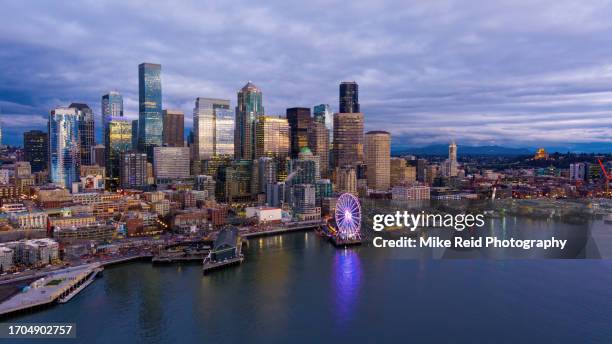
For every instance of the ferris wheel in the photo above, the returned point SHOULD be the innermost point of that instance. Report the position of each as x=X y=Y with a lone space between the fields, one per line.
x=348 y=216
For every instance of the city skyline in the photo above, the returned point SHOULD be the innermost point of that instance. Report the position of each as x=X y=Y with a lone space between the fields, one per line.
x=483 y=83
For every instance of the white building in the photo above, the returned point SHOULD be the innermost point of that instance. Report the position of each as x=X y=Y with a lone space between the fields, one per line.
x=264 y=214
x=577 y=171
x=411 y=192
x=27 y=220
x=33 y=252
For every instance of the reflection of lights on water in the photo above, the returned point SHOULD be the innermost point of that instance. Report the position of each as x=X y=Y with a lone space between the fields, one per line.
x=347 y=276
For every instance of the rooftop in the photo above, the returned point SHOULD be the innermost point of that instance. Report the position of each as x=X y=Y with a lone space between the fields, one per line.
x=377 y=132
x=250 y=87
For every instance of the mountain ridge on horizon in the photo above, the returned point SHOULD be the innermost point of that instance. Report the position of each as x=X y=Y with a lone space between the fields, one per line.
x=442 y=149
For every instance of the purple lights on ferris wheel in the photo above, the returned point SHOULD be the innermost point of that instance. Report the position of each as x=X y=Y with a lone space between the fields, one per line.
x=348 y=216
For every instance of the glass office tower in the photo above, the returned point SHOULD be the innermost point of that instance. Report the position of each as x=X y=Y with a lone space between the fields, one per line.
x=150 y=121
x=349 y=97
x=250 y=106
x=273 y=137
x=174 y=128
x=134 y=134
x=323 y=114
x=112 y=106
x=64 y=146
x=118 y=139
x=36 y=149
x=224 y=132
x=299 y=120
x=86 y=131
x=204 y=126
x=348 y=139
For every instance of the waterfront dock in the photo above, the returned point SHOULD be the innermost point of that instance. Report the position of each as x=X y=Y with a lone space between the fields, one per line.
x=126 y=259
x=55 y=287
x=210 y=266
x=227 y=251
x=339 y=242
x=294 y=227
x=177 y=258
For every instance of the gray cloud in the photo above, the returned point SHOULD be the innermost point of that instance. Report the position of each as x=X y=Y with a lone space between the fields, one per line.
x=504 y=72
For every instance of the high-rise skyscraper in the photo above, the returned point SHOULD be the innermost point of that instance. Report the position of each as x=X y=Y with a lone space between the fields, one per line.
x=378 y=159
x=299 y=120
x=349 y=97
x=273 y=137
x=267 y=174
x=134 y=134
x=133 y=170
x=64 y=146
x=249 y=107
x=87 y=132
x=118 y=138
x=348 y=139
x=36 y=149
x=174 y=128
x=98 y=155
x=318 y=141
x=224 y=132
x=112 y=106
x=204 y=126
x=452 y=159
x=150 y=121
x=323 y=114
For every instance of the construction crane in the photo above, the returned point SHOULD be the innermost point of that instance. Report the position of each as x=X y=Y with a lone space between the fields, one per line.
x=607 y=178
x=293 y=174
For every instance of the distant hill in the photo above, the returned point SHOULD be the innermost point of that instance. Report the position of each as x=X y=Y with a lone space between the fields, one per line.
x=461 y=150
x=589 y=147
x=442 y=149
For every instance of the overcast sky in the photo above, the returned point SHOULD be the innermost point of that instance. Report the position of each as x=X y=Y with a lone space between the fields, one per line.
x=481 y=72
